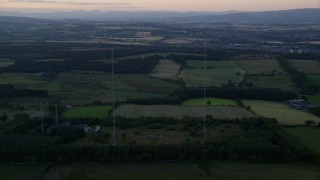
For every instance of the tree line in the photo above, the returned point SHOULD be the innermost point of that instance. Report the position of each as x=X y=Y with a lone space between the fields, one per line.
x=262 y=141
x=9 y=91
x=299 y=78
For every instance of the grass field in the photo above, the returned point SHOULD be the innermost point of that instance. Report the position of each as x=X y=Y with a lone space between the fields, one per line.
x=168 y=171
x=308 y=136
x=166 y=69
x=259 y=67
x=313 y=99
x=5 y=62
x=214 y=102
x=89 y=111
x=177 y=41
x=22 y=80
x=281 y=111
x=214 y=77
x=315 y=79
x=21 y=172
x=282 y=82
x=223 y=112
x=218 y=73
x=92 y=86
x=306 y=66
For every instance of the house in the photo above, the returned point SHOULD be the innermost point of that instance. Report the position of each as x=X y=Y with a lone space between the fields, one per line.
x=85 y=127
x=94 y=130
x=300 y=104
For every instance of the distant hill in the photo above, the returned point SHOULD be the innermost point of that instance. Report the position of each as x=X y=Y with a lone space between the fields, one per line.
x=271 y=17
x=274 y=17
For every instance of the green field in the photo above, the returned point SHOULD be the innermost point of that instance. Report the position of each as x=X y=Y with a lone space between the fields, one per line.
x=166 y=69
x=259 y=67
x=22 y=80
x=214 y=102
x=315 y=79
x=5 y=62
x=306 y=66
x=88 y=111
x=218 y=73
x=280 y=81
x=92 y=86
x=168 y=171
x=313 y=99
x=222 y=112
x=213 y=77
x=308 y=136
x=281 y=111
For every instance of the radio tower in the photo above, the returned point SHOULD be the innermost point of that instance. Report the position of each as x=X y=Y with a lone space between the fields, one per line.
x=205 y=88
x=57 y=118
x=113 y=102
x=41 y=118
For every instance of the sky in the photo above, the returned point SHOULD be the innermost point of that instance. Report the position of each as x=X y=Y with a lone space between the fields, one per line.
x=158 y=5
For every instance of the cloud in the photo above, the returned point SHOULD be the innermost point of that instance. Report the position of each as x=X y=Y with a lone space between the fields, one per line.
x=69 y=3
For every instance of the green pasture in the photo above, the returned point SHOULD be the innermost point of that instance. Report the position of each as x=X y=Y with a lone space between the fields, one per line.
x=259 y=67
x=159 y=171
x=92 y=86
x=212 y=77
x=306 y=66
x=5 y=62
x=313 y=99
x=281 y=111
x=308 y=136
x=166 y=69
x=315 y=79
x=281 y=81
x=88 y=112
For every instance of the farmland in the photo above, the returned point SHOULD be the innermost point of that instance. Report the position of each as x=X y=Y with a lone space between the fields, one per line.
x=281 y=81
x=88 y=87
x=5 y=62
x=180 y=171
x=217 y=73
x=213 y=101
x=65 y=67
x=314 y=99
x=306 y=66
x=315 y=79
x=166 y=69
x=222 y=112
x=88 y=112
x=259 y=67
x=308 y=136
x=281 y=111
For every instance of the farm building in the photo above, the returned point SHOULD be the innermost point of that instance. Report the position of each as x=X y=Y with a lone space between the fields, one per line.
x=300 y=104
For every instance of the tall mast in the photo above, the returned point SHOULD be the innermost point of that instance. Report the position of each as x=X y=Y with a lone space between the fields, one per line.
x=205 y=87
x=57 y=118
x=41 y=118
x=113 y=102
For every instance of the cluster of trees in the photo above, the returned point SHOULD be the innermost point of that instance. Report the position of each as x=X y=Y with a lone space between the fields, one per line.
x=299 y=78
x=271 y=94
x=127 y=66
x=8 y=91
x=262 y=140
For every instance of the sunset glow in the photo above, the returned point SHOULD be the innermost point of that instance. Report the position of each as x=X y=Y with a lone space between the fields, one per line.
x=170 y=5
